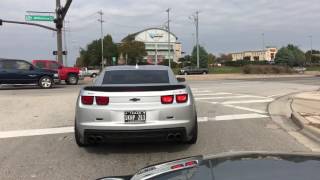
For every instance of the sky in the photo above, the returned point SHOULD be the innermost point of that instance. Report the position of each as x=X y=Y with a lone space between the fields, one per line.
x=224 y=26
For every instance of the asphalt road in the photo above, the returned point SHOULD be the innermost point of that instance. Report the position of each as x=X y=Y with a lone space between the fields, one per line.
x=232 y=113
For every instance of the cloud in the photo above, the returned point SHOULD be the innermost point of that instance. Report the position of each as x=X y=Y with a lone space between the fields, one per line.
x=225 y=26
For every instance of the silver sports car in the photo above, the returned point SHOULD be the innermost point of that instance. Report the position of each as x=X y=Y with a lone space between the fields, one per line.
x=136 y=103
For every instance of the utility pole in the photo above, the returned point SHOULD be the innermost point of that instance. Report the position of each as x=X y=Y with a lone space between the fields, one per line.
x=169 y=46
x=101 y=29
x=60 y=13
x=311 y=48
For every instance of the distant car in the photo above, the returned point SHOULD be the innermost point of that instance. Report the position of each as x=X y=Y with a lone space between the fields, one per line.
x=68 y=74
x=133 y=103
x=193 y=70
x=14 y=71
x=88 y=72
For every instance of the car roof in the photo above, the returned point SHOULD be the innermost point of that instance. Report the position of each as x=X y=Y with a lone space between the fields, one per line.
x=6 y=59
x=137 y=67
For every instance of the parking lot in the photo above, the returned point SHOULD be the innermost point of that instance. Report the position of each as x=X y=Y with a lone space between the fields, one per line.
x=36 y=132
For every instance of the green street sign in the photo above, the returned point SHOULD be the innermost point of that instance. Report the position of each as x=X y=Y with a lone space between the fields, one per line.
x=38 y=18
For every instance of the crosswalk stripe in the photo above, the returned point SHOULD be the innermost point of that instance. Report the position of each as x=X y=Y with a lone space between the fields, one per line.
x=232 y=117
x=224 y=97
x=247 y=101
x=246 y=109
x=211 y=94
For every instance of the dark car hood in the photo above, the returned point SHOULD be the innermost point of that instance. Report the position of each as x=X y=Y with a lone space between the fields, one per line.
x=237 y=166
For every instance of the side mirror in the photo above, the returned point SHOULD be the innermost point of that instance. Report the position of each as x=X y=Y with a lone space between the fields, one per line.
x=60 y=67
x=180 y=79
x=31 y=68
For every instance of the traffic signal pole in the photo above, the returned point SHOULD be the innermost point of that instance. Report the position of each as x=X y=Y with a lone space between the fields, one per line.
x=60 y=13
x=59 y=25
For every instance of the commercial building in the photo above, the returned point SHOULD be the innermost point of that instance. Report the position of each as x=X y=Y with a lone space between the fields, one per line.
x=156 y=43
x=268 y=55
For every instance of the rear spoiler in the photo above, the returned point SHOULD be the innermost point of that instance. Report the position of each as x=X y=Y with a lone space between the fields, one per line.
x=133 y=88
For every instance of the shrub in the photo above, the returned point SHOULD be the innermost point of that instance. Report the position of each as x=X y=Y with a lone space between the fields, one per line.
x=266 y=69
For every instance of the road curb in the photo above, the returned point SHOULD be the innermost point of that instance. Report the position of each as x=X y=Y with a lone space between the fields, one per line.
x=307 y=130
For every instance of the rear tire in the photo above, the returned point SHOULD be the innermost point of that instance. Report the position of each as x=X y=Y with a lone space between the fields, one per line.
x=72 y=79
x=79 y=140
x=194 y=138
x=45 y=82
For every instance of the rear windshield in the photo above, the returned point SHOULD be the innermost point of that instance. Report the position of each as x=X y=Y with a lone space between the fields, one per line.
x=136 y=77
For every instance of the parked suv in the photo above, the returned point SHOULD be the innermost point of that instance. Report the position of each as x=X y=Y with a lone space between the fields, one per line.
x=193 y=70
x=14 y=71
x=68 y=74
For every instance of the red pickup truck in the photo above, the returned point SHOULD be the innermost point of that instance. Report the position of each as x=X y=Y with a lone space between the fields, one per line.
x=68 y=74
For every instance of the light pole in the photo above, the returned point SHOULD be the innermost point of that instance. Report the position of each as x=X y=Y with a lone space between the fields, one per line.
x=263 y=47
x=169 y=46
x=195 y=18
x=101 y=29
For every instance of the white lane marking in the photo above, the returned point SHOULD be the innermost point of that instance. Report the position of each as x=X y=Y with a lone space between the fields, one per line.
x=35 y=132
x=239 y=116
x=211 y=94
x=200 y=91
x=276 y=95
x=248 y=101
x=232 y=117
x=246 y=109
x=225 y=97
x=203 y=119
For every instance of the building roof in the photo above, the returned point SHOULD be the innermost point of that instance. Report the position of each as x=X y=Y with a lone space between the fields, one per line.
x=132 y=36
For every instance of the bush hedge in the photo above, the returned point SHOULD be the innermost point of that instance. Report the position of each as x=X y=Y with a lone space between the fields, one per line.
x=266 y=69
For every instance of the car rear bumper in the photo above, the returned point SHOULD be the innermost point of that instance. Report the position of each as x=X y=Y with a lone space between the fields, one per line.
x=147 y=135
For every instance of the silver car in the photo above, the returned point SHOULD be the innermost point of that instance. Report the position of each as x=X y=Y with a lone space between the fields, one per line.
x=136 y=103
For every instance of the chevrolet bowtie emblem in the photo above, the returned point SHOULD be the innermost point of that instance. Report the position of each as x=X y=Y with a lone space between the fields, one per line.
x=135 y=99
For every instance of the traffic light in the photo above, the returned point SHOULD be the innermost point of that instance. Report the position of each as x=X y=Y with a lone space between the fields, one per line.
x=61 y=13
x=0 y=22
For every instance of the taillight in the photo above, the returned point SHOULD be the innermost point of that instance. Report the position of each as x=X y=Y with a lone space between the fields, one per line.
x=182 y=98
x=87 y=100
x=178 y=166
x=102 y=100
x=167 y=99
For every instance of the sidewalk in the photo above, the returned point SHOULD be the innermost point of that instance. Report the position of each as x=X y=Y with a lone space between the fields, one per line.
x=306 y=112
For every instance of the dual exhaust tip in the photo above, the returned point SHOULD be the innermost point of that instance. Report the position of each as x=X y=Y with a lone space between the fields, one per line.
x=174 y=137
x=95 y=139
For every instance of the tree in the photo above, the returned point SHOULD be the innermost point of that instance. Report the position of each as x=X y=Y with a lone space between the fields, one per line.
x=211 y=59
x=91 y=56
x=224 y=58
x=315 y=57
x=203 y=57
x=135 y=50
x=185 y=61
x=291 y=56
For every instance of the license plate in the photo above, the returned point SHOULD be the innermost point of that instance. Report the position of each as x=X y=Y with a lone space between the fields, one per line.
x=135 y=116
